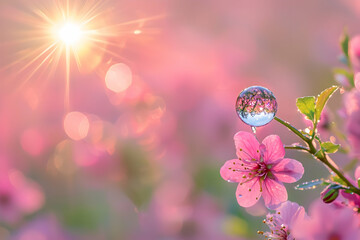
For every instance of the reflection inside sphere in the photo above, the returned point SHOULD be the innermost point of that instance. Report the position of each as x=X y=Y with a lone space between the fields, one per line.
x=256 y=106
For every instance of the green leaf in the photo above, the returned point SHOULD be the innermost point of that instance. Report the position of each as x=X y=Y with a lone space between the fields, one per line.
x=81 y=216
x=359 y=182
x=309 y=185
x=140 y=173
x=344 y=44
x=329 y=147
x=306 y=106
x=321 y=101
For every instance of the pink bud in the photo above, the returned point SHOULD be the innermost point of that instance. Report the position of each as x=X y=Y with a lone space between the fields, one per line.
x=330 y=193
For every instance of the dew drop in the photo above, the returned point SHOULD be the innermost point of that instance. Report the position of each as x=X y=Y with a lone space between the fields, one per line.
x=240 y=195
x=256 y=106
x=309 y=185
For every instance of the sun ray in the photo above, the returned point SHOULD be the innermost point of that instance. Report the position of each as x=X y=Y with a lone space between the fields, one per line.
x=33 y=71
x=77 y=59
x=61 y=32
x=67 y=80
x=141 y=20
x=37 y=57
x=112 y=53
x=91 y=14
x=42 y=15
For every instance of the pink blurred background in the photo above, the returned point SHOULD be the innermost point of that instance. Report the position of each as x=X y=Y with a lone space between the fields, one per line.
x=151 y=116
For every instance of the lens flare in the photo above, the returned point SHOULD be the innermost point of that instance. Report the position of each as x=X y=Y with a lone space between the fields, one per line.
x=58 y=33
x=70 y=33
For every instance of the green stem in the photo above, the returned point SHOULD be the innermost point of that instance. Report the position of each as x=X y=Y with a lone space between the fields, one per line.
x=341 y=175
x=321 y=157
x=313 y=132
x=330 y=164
x=291 y=128
x=297 y=148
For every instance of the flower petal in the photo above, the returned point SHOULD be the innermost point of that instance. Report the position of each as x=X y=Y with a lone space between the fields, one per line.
x=231 y=171
x=290 y=213
x=288 y=170
x=248 y=193
x=274 y=193
x=247 y=147
x=274 y=149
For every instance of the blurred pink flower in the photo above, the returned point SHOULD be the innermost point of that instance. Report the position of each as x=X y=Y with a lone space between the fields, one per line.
x=18 y=196
x=354 y=51
x=352 y=116
x=353 y=199
x=357 y=81
x=42 y=228
x=328 y=222
x=281 y=222
x=260 y=170
x=324 y=125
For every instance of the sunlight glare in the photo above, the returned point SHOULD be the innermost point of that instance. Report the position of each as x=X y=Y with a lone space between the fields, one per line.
x=70 y=33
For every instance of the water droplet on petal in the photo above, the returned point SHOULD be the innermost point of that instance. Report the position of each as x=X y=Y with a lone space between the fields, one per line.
x=240 y=195
x=256 y=106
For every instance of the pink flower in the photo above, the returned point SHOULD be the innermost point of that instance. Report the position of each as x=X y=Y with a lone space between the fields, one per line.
x=281 y=222
x=18 y=196
x=353 y=199
x=328 y=222
x=260 y=170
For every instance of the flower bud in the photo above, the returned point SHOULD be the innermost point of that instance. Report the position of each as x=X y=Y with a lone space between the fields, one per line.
x=330 y=193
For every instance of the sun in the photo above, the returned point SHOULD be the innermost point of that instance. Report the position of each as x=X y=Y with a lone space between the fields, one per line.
x=62 y=35
x=70 y=33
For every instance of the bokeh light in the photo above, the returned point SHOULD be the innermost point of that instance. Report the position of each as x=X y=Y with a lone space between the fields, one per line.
x=33 y=142
x=76 y=125
x=118 y=78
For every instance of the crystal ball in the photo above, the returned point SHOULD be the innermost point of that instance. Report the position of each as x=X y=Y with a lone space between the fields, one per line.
x=256 y=106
